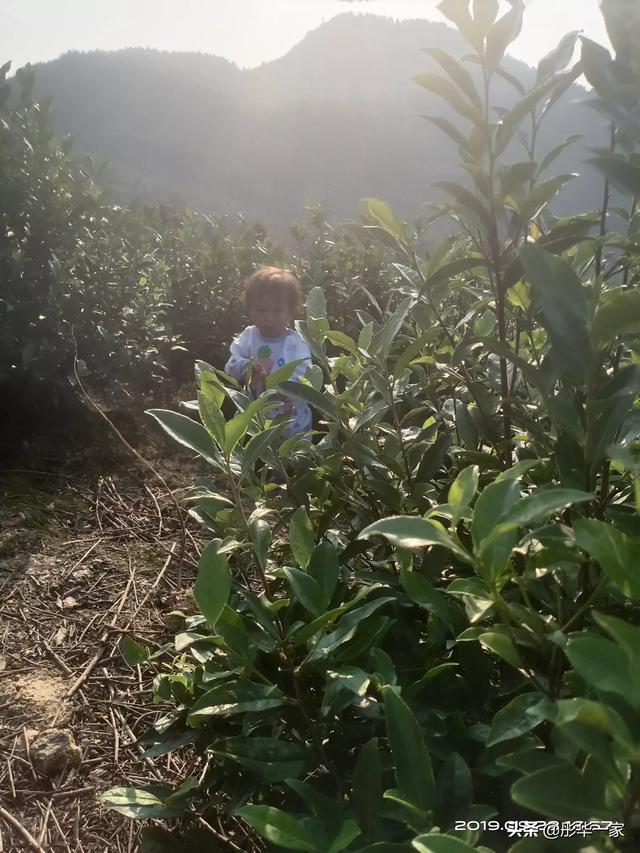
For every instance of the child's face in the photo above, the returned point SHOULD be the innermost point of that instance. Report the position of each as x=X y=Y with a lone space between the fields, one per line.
x=271 y=314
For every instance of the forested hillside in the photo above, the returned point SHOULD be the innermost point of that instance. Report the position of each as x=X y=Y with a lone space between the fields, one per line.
x=338 y=118
x=414 y=627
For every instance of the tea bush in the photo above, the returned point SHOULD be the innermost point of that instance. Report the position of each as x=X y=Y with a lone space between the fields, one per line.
x=136 y=291
x=428 y=638
x=126 y=287
x=432 y=629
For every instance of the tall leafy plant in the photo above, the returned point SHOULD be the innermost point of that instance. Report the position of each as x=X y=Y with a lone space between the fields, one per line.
x=432 y=628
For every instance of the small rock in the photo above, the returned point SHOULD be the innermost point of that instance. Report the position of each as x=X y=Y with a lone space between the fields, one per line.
x=61 y=635
x=54 y=750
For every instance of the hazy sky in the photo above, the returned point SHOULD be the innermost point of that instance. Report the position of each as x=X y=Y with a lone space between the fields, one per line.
x=247 y=32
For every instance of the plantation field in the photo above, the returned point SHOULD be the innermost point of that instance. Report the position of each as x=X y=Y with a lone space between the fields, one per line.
x=417 y=631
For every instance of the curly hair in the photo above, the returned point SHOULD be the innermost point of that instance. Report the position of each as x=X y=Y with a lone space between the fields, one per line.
x=275 y=282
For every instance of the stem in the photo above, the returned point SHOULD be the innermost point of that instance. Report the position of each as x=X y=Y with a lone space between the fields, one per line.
x=452 y=342
x=605 y=209
x=398 y=431
x=504 y=374
x=495 y=263
x=321 y=752
x=587 y=604
x=315 y=734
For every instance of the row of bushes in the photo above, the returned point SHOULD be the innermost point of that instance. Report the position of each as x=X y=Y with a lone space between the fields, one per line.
x=428 y=639
x=135 y=292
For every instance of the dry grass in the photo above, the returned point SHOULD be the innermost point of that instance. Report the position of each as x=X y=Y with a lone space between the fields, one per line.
x=82 y=562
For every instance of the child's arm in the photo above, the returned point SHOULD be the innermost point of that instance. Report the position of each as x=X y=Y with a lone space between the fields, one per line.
x=240 y=356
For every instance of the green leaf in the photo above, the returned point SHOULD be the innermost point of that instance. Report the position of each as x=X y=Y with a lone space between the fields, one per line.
x=466 y=426
x=206 y=374
x=236 y=429
x=279 y=828
x=133 y=652
x=433 y=458
x=348 y=832
x=502 y=646
x=555 y=152
x=383 y=339
x=605 y=667
x=625 y=635
x=187 y=790
x=623 y=174
x=599 y=69
x=562 y=301
x=373 y=412
x=316 y=306
x=484 y=14
x=562 y=793
x=317 y=400
x=462 y=491
x=420 y=590
x=137 y=803
x=324 y=568
x=458 y=74
x=436 y=843
x=618 y=314
x=213 y=585
x=189 y=433
x=340 y=339
x=383 y=216
x=343 y=687
x=534 y=202
x=449 y=270
x=559 y=57
x=210 y=412
x=597 y=716
x=446 y=90
x=414 y=775
x=273 y=760
x=454 y=788
x=301 y=540
x=512 y=120
x=326 y=809
x=519 y=717
x=235 y=697
x=467 y=201
x=451 y=131
x=505 y=30
x=413 y=532
x=306 y=590
x=457 y=11
x=156 y=745
x=260 y=534
x=617 y=553
x=345 y=630
x=282 y=374
x=494 y=501
x=542 y=503
x=366 y=790
x=305 y=633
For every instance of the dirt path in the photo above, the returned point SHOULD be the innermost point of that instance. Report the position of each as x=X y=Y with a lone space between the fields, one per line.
x=83 y=561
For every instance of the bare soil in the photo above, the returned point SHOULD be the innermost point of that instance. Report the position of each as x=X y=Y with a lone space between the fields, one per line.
x=85 y=559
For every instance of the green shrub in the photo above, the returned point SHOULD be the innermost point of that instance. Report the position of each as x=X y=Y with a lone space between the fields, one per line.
x=433 y=629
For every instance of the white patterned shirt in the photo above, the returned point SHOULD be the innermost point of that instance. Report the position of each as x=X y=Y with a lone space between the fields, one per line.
x=273 y=353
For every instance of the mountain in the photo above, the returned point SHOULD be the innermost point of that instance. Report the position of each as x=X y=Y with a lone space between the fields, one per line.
x=337 y=118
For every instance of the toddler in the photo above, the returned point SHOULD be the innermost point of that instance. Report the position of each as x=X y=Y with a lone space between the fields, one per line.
x=272 y=297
